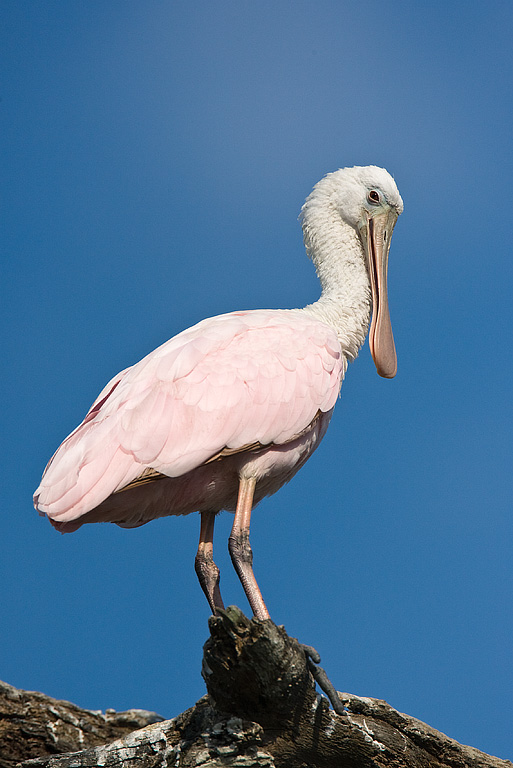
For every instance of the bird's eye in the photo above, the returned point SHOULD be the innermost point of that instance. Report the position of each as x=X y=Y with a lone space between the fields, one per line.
x=373 y=197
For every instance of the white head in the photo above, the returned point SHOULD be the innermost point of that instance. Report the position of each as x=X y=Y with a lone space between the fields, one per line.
x=367 y=199
x=360 y=189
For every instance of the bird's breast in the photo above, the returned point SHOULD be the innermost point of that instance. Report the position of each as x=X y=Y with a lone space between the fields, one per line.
x=274 y=466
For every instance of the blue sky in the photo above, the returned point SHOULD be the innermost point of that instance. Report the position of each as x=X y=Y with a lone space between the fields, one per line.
x=156 y=156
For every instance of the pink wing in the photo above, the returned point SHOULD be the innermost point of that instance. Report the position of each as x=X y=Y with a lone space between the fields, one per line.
x=228 y=381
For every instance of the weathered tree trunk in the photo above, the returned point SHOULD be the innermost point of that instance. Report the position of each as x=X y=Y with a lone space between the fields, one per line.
x=32 y=724
x=261 y=710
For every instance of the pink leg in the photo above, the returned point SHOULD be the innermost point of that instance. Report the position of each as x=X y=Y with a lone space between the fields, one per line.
x=240 y=549
x=206 y=570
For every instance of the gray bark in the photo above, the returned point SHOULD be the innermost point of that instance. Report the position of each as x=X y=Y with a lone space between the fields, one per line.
x=261 y=710
x=34 y=724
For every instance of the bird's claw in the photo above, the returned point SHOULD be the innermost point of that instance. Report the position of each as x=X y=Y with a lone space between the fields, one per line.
x=322 y=679
x=311 y=653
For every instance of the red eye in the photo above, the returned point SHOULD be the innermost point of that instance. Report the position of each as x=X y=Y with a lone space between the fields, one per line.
x=373 y=196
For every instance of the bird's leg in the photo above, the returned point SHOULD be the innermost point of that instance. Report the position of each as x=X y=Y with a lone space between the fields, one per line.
x=206 y=570
x=240 y=549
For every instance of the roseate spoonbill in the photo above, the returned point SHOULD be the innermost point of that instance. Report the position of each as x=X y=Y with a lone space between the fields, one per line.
x=229 y=410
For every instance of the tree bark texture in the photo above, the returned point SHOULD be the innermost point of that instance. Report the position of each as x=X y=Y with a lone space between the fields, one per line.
x=261 y=710
x=34 y=724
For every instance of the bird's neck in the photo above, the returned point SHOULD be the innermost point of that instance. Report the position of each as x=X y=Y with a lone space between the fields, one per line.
x=337 y=253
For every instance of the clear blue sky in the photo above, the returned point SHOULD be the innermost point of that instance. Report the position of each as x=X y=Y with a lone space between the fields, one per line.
x=156 y=156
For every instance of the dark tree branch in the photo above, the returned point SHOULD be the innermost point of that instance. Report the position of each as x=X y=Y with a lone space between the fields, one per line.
x=34 y=724
x=261 y=710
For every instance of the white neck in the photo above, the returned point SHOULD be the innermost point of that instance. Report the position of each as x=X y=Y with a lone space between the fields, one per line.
x=337 y=253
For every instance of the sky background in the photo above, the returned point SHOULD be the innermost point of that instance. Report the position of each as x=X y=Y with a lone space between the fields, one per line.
x=155 y=159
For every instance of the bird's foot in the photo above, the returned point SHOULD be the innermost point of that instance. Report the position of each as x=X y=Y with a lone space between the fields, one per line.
x=321 y=678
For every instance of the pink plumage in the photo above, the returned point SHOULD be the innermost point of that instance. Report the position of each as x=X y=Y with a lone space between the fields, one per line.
x=228 y=382
x=227 y=411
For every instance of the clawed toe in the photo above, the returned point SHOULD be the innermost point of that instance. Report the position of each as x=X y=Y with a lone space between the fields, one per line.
x=321 y=678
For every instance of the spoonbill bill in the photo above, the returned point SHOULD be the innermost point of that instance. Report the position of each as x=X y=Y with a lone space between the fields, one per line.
x=226 y=412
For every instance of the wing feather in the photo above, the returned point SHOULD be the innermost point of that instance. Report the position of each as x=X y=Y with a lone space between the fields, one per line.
x=235 y=380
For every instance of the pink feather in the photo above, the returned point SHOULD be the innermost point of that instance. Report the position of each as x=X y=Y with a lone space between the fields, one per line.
x=229 y=381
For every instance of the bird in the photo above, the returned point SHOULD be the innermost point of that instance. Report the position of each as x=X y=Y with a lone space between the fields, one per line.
x=226 y=412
